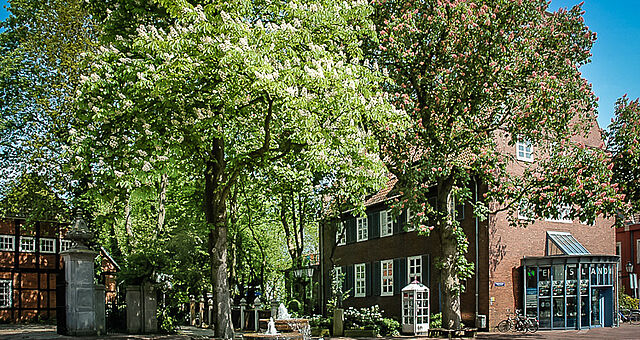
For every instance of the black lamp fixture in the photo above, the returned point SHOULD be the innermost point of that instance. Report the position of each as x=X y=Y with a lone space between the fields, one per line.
x=629 y=267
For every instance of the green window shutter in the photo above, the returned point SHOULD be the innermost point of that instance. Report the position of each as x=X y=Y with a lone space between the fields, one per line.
x=426 y=271
x=367 y=275
x=402 y=221
x=376 y=282
x=350 y=224
x=374 y=224
x=397 y=287
x=350 y=279
x=403 y=273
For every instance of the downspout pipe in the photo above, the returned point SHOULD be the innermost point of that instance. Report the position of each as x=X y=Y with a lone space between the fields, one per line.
x=475 y=194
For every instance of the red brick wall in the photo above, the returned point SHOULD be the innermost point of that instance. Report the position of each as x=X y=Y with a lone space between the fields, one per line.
x=628 y=237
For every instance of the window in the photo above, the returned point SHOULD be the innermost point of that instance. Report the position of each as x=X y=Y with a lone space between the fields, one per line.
x=363 y=228
x=386 y=276
x=6 y=243
x=361 y=284
x=410 y=226
x=341 y=235
x=5 y=293
x=524 y=151
x=414 y=264
x=386 y=223
x=47 y=245
x=564 y=212
x=66 y=245
x=638 y=251
x=27 y=244
x=619 y=253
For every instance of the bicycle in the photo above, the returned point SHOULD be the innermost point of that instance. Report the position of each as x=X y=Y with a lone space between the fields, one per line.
x=519 y=323
x=630 y=316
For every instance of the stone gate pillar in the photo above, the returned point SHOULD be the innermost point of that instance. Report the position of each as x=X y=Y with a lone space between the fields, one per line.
x=78 y=272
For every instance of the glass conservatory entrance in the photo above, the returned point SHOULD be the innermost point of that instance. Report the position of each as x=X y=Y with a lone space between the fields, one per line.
x=570 y=292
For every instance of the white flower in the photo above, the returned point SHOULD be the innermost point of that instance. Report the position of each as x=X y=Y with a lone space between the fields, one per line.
x=118 y=173
x=146 y=167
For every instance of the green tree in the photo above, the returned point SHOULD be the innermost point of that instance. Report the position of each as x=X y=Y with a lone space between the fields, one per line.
x=623 y=139
x=476 y=77
x=229 y=88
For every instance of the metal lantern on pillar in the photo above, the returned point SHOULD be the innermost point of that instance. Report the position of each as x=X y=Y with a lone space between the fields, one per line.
x=415 y=308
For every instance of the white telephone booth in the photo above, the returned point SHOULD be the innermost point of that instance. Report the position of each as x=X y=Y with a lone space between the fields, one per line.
x=415 y=308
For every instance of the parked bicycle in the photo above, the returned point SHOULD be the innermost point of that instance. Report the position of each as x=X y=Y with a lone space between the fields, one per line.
x=630 y=316
x=518 y=323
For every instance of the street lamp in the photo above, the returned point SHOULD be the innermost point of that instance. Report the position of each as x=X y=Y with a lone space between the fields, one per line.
x=629 y=267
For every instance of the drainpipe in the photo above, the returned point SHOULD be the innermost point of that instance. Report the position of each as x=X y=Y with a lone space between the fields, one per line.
x=475 y=194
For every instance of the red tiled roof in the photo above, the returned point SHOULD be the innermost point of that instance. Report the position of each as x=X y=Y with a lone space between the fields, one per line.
x=384 y=194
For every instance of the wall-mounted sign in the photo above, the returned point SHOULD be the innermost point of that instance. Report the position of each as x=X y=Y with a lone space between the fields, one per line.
x=499 y=284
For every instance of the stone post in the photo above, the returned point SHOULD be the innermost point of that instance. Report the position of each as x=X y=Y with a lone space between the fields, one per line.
x=133 y=298
x=192 y=310
x=201 y=310
x=150 y=305
x=210 y=311
x=274 y=308
x=257 y=305
x=141 y=309
x=243 y=306
x=101 y=315
x=80 y=300
x=338 y=322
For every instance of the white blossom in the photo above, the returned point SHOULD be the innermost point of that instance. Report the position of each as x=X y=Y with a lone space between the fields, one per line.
x=146 y=167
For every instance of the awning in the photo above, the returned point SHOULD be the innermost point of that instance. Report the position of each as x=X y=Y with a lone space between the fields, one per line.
x=566 y=244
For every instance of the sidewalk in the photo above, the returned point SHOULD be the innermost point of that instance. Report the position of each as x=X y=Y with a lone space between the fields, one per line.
x=43 y=332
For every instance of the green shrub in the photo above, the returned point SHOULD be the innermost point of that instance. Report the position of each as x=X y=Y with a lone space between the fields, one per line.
x=370 y=318
x=436 y=321
x=319 y=321
x=389 y=327
x=627 y=302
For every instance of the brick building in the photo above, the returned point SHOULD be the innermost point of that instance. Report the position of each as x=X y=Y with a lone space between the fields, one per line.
x=30 y=264
x=628 y=247
x=379 y=256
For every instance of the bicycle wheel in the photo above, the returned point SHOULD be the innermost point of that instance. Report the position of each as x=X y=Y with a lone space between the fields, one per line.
x=504 y=326
x=532 y=325
x=634 y=318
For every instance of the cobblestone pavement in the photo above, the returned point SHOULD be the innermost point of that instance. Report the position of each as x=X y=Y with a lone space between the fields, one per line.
x=42 y=332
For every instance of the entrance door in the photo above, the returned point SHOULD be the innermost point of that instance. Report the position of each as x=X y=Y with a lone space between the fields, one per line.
x=596 y=311
x=602 y=309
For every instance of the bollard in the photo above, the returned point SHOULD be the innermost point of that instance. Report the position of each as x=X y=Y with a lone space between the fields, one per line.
x=243 y=306
x=201 y=311
x=257 y=304
x=274 y=308
x=210 y=303
x=192 y=310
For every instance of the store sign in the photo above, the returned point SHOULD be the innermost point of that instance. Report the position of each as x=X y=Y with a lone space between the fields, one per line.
x=600 y=270
x=633 y=283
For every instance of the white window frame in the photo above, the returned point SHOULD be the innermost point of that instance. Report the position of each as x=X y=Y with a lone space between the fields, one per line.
x=522 y=207
x=360 y=275
x=341 y=235
x=524 y=154
x=563 y=210
x=619 y=253
x=337 y=272
x=31 y=242
x=43 y=247
x=6 y=293
x=386 y=223
x=7 y=243
x=65 y=244
x=414 y=269
x=410 y=226
x=362 y=229
x=638 y=251
x=386 y=281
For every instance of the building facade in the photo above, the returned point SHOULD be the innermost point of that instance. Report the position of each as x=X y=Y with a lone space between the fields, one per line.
x=378 y=256
x=628 y=247
x=31 y=268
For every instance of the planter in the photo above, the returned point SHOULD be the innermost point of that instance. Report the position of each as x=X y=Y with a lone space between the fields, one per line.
x=320 y=332
x=360 y=333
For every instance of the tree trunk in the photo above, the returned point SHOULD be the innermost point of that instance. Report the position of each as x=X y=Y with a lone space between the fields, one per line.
x=451 y=317
x=162 y=198
x=215 y=212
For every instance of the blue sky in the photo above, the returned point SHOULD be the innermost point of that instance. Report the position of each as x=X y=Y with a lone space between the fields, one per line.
x=615 y=66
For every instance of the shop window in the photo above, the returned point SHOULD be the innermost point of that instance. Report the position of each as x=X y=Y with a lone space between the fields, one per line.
x=558 y=280
x=5 y=293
